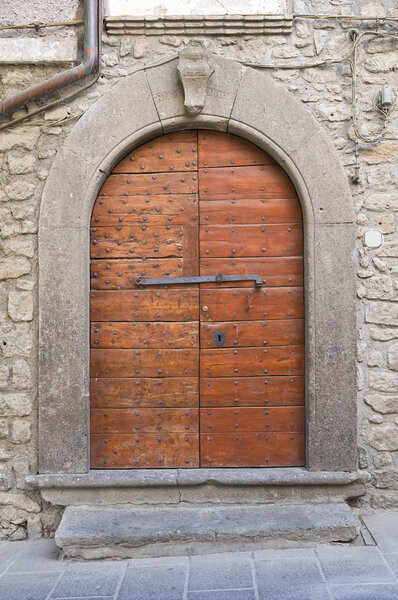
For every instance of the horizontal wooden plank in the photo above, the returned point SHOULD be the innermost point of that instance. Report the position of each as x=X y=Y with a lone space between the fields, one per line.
x=218 y=149
x=144 y=451
x=144 y=335
x=145 y=420
x=246 y=362
x=144 y=363
x=252 y=391
x=120 y=274
x=269 y=181
x=251 y=240
x=251 y=304
x=145 y=305
x=138 y=241
x=138 y=184
x=253 y=333
x=233 y=420
x=159 y=156
x=167 y=392
x=151 y=210
x=253 y=210
x=252 y=450
x=275 y=271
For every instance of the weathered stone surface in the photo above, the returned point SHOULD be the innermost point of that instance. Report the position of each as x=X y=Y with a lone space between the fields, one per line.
x=383 y=404
x=22 y=245
x=20 y=306
x=383 y=334
x=20 y=431
x=23 y=138
x=4 y=376
x=4 y=428
x=123 y=532
x=333 y=112
x=384 y=438
x=384 y=381
x=388 y=249
x=380 y=287
x=392 y=357
x=382 y=63
x=16 y=340
x=18 y=405
x=380 y=153
x=382 y=313
x=19 y=164
x=21 y=375
x=14 y=267
x=382 y=201
x=386 y=223
x=20 y=190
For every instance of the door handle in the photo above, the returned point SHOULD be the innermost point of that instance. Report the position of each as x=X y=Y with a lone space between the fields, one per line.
x=219 y=278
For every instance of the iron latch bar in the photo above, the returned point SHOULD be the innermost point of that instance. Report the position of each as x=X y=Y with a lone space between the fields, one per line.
x=219 y=278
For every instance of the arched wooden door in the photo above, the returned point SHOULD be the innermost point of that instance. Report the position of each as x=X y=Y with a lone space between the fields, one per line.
x=203 y=373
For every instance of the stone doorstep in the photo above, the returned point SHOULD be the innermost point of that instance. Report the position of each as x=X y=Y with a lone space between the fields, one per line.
x=115 y=533
x=166 y=487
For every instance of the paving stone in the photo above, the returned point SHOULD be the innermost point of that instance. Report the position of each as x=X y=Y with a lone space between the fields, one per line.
x=40 y=555
x=364 y=592
x=300 y=580
x=223 y=595
x=162 y=583
x=392 y=560
x=88 y=580
x=19 y=587
x=354 y=565
x=287 y=553
x=384 y=528
x=218 y=572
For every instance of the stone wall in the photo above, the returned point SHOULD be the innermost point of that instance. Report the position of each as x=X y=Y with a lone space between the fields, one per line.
x=324 y=85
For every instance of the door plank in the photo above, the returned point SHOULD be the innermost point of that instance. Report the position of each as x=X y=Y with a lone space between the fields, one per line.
x=144 y=335
x=144 y=451
x=137 y=241
x=254 y=333
x=144 y=363
x=252 y=304
x=280 y=360
x=268 y=181
x=150 y=185
x=252 y=391
x=167 y=392
x=218 y=149
x=252 y=450
x=145 y=420
x=245 y=211
x=251 y=240
x=160 y=156
x=120 y=274
x=275 y=271
x=145 y=305
x=233 y=420
x=151 y=209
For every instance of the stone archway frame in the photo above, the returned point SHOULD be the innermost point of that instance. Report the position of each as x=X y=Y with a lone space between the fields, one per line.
x=142 y=106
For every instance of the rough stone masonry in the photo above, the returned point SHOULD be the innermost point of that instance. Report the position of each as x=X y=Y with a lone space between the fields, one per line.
x=320 y=78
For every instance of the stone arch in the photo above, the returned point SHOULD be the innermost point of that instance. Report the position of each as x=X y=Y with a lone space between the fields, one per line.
x=147 y=104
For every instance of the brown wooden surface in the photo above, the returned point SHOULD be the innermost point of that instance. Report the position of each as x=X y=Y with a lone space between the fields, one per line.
x=145 y=305
x=144 y=335
x=151 y=185
x=227 y=362
x=145 y=420
x=252 y=450
x=250 y=240
x=160 y=215
x=246 y=211
x=268 y=181
x=254 y=333
x=232 y=420
x=166 y=392
x=121 y=451
x=159 y=209
x=252 y=391
x=144 y=363
x=217 y=149
x=252 y=304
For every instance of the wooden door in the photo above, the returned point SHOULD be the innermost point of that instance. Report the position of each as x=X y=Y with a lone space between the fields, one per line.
x=198 y=374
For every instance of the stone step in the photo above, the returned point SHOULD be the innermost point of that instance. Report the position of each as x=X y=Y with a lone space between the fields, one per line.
x=128 y=532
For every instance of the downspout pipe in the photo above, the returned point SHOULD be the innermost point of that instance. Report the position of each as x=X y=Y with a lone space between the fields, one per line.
x=90 y=63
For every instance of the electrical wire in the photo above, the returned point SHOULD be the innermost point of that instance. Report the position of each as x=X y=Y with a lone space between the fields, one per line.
x=40 y=25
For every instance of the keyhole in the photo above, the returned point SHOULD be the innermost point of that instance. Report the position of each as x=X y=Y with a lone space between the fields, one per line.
x=219 y=338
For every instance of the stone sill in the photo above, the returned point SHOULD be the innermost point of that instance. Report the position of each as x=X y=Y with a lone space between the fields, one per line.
x=141 y=478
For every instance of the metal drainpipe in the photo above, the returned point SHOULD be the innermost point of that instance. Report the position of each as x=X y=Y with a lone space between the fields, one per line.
x=90 y=64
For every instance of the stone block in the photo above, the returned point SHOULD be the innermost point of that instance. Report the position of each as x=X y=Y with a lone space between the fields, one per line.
x=381 y=313
x=300 y=579
x=18 y=405
x=19 y=138
x=21 y=245
x=16 y=340
x=384 y=437
x=217 y=572
x=382 y=403
x=20 y=306
x=383 y=334
x=392 y=357
x=381 y=153
x=20 y=431
x=21 y=375
x=20 y=190
x=140 y=583
x=4 y=376
x=10 y=268
x=383 y=381
x=353 y=565
x=18 y=164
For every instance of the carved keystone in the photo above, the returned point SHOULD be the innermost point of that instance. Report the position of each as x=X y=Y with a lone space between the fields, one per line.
x=194 y=71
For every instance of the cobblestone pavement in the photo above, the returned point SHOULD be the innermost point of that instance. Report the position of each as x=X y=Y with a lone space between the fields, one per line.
x=30 y=571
